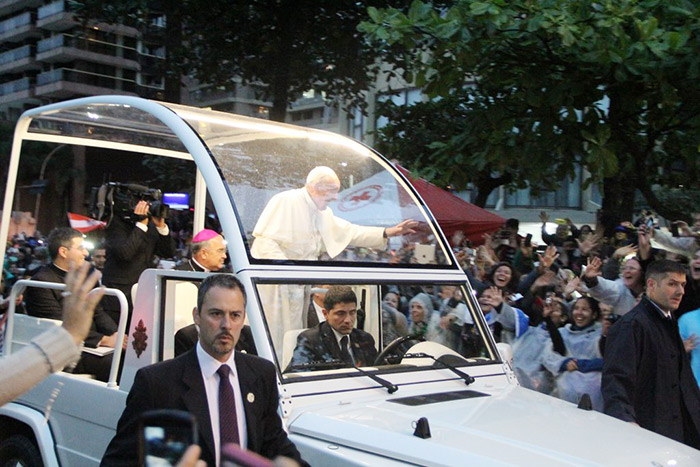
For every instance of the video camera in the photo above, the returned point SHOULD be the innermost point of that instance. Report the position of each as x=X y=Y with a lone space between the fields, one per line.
x=119 y=199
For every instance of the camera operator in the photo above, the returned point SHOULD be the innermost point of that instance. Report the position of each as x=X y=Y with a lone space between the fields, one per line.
x=132 y=242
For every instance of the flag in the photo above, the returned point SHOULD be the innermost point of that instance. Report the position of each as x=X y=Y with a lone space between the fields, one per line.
x=84 y=224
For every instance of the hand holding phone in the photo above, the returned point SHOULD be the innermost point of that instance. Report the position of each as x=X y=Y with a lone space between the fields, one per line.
x=165 y=435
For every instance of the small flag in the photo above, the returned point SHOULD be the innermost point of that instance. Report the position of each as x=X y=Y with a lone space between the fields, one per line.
x=84 y=224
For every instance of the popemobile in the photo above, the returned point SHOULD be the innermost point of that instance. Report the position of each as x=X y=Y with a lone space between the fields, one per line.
x=302 y=210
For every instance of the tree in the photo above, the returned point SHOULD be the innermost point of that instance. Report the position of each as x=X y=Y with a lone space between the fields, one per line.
x=282 y=48
x=458 y=140
x=611 y=85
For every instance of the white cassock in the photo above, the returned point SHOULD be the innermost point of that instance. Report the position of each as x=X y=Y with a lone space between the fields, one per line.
x=292 y=227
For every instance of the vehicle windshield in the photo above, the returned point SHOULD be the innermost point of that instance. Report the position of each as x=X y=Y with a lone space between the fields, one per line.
x=307 y=195
x=386 y=325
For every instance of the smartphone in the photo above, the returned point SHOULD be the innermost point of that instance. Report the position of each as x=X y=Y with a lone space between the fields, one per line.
x=674 y=230
x=165 y=435
x=515 y=297
x=528 y=239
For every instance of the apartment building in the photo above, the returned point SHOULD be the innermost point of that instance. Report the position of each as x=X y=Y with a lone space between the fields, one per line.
x=47 y=56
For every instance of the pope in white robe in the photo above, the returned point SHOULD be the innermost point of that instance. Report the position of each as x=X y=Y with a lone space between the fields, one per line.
x=298 y=225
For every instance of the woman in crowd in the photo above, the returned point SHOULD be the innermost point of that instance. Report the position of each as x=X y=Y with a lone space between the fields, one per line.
x=578 y=372
x=421 y=309
x=529 y=349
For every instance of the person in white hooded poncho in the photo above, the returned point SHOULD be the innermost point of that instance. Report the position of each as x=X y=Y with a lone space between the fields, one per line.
x=579 y=371
x=298 y=225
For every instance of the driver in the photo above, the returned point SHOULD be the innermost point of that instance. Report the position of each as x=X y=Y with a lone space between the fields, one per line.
x=335 y=340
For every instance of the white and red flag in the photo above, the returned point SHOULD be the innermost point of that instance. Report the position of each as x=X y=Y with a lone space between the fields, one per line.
x=84 y=224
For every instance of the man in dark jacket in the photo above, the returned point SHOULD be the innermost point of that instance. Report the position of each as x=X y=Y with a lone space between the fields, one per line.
x=647 y=378
x=131 y=247
x=66 y=247
x=335 y=340
x=233 y=396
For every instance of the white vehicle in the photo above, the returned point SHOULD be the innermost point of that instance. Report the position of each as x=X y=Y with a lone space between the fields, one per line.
x=425 y=404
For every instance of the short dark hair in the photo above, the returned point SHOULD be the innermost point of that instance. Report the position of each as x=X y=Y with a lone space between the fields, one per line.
x=226 y=281
x=512 y=223
x=338 y=294
x=61 y=236
x=658 y=269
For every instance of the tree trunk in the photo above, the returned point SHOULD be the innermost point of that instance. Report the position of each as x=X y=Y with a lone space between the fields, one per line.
x=485 y=184
x=618 y=202
x=172 y=91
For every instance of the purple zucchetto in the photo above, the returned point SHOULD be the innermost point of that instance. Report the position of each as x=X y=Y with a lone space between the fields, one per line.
x=204 y=235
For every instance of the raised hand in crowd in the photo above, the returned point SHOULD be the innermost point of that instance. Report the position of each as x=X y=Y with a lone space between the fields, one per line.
x=572 y=286
x=496 y=297
x=624 y=251
x=644 y=241
x=684 y=229
x=486 y=255
x=593 y=269
x=549 y=257
x=78 y=306
x=586 y=245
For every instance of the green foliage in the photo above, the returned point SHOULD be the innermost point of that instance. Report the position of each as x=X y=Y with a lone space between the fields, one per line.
x=281 y=48
x=609 y=84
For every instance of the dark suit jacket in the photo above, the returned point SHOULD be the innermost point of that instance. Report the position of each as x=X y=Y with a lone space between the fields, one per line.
x=647 y=377
x=187 y=337
x=130 y=251
x=311 y=317
x=48 y=303
x=178 y=384
x=320 y=345
x=189 y=265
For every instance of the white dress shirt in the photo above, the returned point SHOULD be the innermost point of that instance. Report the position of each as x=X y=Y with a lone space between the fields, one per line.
x=209 y=365
x=339 y=336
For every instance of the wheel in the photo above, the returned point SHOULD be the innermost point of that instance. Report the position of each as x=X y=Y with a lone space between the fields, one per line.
x=17 y=450
x=393 y=345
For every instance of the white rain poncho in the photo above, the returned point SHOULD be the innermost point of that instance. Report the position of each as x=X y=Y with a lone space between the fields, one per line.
x=582 y=345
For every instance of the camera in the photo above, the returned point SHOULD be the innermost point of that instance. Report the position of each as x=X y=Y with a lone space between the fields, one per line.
x=119 y=199
x=612 y=318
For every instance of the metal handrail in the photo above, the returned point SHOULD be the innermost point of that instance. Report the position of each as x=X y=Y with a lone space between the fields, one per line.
x=19 y=287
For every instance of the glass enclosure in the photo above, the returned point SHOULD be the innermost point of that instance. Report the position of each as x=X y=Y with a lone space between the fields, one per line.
x=267 y=168
x=386 y=325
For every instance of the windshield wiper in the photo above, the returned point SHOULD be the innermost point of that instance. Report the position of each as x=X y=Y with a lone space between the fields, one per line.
x=391 y=388
x=336 y=364
x=467 y=379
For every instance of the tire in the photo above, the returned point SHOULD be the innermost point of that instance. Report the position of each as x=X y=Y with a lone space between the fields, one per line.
x=17 y=451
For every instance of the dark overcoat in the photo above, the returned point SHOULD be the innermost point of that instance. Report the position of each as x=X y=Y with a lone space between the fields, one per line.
x=647 y=377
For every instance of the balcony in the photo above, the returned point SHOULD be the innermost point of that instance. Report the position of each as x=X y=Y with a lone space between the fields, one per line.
x=55 y=17
x=17 y=93
x=7 y=7
x=66 y=82
x=66 y=47
x=18 y=60
x=19 y=28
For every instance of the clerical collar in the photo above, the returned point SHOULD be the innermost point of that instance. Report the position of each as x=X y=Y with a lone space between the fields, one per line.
x=202 y=267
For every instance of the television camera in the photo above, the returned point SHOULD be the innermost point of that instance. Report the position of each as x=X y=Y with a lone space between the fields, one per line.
x=119 y=199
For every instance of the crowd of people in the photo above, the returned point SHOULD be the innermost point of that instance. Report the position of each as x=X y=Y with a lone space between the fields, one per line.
x=557 y=303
